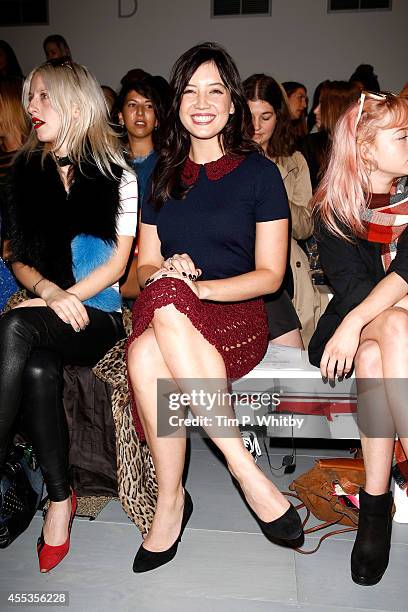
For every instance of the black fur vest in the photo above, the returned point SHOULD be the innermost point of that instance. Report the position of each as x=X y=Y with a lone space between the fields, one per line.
x=43 y=218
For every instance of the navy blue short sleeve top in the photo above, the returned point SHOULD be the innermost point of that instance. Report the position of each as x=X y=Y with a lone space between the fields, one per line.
x=215 y=223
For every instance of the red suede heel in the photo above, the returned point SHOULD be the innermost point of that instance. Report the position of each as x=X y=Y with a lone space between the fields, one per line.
x=50 y=556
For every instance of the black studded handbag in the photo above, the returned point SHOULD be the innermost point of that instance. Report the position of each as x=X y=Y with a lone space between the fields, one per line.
x=21 y=488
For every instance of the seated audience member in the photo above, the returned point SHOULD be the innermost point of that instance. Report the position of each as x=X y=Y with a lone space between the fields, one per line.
x=14 y=130
x=311 y=117
x=361 y=210
x=9 y=66
x=134 y=74
x=141 y=114
x=273 y=131
x=73 y=213
x=213 y=240
x=297 y=99
x=14 y=127
x=111 y=97
x=55 y=46
x=335 y=98
x=364 y=78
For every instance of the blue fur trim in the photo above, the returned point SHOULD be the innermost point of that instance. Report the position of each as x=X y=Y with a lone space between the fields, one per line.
x=89 y=252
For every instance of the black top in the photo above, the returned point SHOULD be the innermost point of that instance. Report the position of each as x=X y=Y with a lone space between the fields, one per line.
x=315 y=149
x=353 y=269
x=215 y=222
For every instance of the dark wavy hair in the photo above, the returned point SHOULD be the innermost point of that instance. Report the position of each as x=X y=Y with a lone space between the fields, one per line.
x=149 y=89
x=291 y=86
x=264 y=87
x=235 y=138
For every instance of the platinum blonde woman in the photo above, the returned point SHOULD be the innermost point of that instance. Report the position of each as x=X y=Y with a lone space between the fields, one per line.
x=73 y=215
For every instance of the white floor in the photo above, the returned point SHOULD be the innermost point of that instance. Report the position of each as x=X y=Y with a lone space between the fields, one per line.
x=223 y=564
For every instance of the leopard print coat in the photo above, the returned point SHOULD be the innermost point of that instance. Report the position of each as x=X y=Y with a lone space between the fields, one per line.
x=137 y=484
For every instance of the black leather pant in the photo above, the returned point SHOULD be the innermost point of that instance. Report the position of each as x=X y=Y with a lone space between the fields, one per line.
x=34 y=346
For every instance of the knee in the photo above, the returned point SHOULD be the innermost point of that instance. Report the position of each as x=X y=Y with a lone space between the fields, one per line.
x=168 y=316
x=42 y=368
x=395 y=325
x=10 y=324
x=368 y=359
x=142 y=362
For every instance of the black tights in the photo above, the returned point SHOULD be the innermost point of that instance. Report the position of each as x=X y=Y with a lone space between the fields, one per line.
x=34 y=345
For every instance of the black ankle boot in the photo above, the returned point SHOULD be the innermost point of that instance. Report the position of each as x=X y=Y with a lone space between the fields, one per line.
x=286 y=530
x=371 y=550
x=147 y=560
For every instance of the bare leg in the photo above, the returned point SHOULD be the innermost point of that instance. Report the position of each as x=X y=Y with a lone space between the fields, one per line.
x=385 y=357
x=373 y=404
x=181 y=352
x=146 y=365
x=291 y=338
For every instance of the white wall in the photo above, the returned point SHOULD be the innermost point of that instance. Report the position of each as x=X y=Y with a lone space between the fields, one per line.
x=299 y=41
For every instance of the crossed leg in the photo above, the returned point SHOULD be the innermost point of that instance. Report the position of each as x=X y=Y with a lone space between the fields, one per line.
x=381 y=366
x=174 y=349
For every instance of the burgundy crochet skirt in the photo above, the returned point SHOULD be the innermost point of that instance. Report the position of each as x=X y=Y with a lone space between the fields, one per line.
x=238 y=330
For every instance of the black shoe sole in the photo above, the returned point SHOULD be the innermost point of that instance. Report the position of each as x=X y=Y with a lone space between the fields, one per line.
x=363 y=581
x=295 y=542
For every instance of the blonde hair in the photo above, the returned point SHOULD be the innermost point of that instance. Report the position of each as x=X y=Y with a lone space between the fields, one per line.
x=87 y=137
x=14 y=120
x=345 y=190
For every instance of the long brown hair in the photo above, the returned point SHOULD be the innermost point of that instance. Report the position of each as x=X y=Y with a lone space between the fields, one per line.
x=264 y=87
x=235 y=138
x=335 y=98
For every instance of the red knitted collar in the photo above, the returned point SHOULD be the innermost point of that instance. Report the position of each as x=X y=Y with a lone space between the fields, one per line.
x=214 y=170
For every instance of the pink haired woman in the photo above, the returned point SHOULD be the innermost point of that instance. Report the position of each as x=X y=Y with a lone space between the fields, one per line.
x=361 y=210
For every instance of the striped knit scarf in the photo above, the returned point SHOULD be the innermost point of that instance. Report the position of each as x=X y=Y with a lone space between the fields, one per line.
x=385 y=225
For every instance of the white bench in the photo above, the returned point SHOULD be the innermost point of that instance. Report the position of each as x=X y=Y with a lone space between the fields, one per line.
x=328 y=410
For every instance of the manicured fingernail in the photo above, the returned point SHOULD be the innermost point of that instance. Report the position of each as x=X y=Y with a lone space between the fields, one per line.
x=77 y=329
x=164 y=274
x=190 y=276
x=194 y=277
x=184 y=274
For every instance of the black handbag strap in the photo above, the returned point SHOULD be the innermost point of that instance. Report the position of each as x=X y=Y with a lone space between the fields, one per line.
x=316 y=527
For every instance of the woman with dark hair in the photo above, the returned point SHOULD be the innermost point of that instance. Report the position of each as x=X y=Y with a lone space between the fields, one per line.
x=9 y=66
x=311 y=117
x=364 y=78
x=213 y=240
x=141 y=115
x=273 y=131
x=297 y=100
x=335 y=97
x=111 y=97
x=55 y=46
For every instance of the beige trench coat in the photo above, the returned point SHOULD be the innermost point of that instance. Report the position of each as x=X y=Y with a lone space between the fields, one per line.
x=309 y=303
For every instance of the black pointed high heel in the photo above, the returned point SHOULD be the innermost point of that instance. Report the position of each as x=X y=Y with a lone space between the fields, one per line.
x=146 y=560
x=287 y=530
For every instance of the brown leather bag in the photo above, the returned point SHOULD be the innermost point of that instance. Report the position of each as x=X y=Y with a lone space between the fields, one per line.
x=315 y=490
